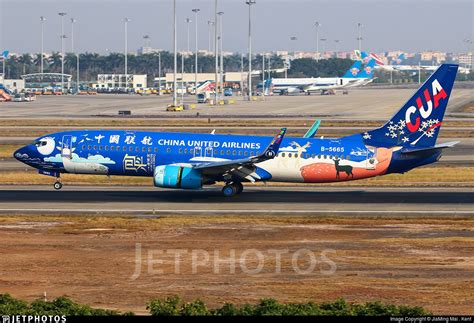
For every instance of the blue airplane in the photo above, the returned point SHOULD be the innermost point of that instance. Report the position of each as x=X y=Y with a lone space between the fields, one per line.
x=189 y=160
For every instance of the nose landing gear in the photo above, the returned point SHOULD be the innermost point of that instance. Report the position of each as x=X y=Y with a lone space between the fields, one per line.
x=58 y=185
x=231 y=189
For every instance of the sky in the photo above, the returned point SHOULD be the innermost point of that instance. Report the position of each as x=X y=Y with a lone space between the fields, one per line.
x=408 y=25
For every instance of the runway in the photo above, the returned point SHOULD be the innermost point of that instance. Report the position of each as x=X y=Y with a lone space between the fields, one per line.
x=317 y=201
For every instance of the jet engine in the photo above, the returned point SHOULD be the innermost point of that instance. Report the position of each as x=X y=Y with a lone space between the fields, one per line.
x=170 y=176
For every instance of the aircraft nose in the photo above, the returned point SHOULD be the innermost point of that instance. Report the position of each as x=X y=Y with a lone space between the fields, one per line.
x=20 y=153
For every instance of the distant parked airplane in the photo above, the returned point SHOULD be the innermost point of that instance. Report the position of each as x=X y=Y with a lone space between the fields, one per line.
x=189 y=160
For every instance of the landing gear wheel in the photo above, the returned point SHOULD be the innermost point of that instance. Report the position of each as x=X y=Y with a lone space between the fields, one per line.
x=229 y=190
x=58 y=185
x=238 y=187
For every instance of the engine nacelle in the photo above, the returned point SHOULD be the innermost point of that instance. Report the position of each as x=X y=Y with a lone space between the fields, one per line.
x=170 y=176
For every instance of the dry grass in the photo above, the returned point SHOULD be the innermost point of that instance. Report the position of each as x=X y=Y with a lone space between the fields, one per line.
x=426 y=176
x=6 y=151
x=189 y=122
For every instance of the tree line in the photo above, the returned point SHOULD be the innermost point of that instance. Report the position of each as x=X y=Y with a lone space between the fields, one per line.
x=174 y=306
x=92 y=64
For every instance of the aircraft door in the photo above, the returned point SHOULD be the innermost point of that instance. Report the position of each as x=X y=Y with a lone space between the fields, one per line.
x=197 y=152
x=370 y=161
x=66 y=147
x=209 y=152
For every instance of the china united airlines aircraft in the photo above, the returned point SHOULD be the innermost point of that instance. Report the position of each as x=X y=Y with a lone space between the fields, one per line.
x=189 y=161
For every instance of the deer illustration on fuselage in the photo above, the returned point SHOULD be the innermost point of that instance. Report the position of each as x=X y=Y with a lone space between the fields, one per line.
x=345 y=168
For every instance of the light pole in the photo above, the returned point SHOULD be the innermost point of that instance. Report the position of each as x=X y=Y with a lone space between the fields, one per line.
x=336 y=49
x=250 y=3
x=126 y=21
x=159 y=73
x=62 y=14
x=188 y=20
x=359 y=38
x=196 y=49
x=242 y=74
x=216 y=45
x=42 y=19
x=175 y=55
x=317 y=25
x=263 y=75
x=324 y=44
x=221 y=78
x=73 y=21
x=294 y=38
x=209 y=29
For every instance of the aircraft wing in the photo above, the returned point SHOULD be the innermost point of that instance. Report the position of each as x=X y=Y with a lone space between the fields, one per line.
x=245 y=167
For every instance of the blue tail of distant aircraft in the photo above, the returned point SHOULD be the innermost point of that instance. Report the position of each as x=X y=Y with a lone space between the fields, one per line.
x=418 y=122
x=368 y=70
x=400 y=58
x=5 y=54
x=353 y=70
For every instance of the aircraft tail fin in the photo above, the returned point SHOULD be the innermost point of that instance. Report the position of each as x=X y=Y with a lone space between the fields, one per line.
x=418 y=122
x=368 y=71
x=353 y=70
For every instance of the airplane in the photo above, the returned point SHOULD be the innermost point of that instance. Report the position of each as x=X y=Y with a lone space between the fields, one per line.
x=364 y=77
x=354 y=76
x=190 y=160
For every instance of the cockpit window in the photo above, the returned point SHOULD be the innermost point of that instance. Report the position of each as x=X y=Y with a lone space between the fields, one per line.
x=40 y=143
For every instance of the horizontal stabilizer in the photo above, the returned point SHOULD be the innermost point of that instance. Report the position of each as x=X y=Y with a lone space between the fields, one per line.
x=450 y=144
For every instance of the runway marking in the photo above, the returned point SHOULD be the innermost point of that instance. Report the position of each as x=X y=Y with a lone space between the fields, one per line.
x=233 y=211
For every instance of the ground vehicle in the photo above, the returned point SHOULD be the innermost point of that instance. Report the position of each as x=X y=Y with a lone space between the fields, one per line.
x=228 y=92
x=19 y=97
x=201 y=98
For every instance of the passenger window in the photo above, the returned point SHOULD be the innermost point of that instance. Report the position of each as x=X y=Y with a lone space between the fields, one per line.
x=83 y=147
x=89 y=147
x=156 y=149
x=144 y=149
x=112 y=148
x=137 y=149
x=240 y=152
x=234 y=152
x=228 y=152
x=246 y=153
x=215 y=152
x=180 y=150
x=100 y=147
x=150 y=149
x=130 y=148
x=95 y=147
x=185 y=150
x=282 y=154
x=222 y=152
x=289 y=155
x=106 y=148
x=252 y=153
x=168 y=150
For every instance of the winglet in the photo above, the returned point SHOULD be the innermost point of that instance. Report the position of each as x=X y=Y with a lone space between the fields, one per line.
x=272 y=150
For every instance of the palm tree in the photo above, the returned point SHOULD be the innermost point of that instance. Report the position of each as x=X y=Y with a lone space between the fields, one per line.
x=25 y=60
x=55 y=62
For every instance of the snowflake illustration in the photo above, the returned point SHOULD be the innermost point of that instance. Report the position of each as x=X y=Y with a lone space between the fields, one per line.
x=405 y=139
x=367 y=135
x=395 y=129
x=427 y=127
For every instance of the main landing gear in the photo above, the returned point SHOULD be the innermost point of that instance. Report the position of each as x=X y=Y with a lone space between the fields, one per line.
x=58 y=185
x=231 y=189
